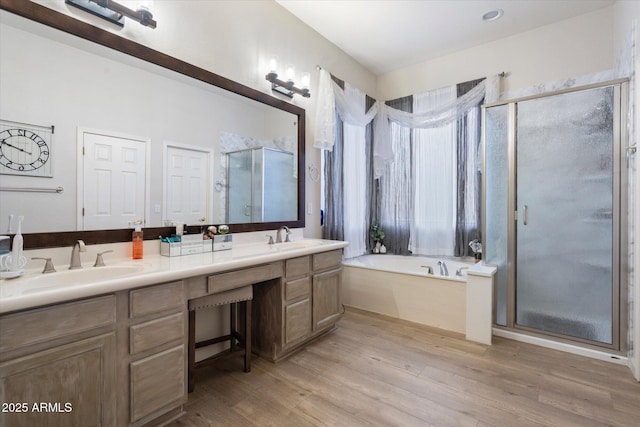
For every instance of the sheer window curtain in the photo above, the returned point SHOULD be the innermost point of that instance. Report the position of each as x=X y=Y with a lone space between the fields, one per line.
x=430 y=189
x=435 y=177
x=468 y=176
x=396 y=189
x=373 y=185
x=346 y=184
x=332 y=180
x=355 y=208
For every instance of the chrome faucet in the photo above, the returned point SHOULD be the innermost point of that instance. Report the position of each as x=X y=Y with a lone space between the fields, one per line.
x=459 y=271
x=75 y=262
x=443 y=268
x=428 y=267
x=279 y=235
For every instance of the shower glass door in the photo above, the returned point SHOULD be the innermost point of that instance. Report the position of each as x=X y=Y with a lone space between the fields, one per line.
x=566 y=198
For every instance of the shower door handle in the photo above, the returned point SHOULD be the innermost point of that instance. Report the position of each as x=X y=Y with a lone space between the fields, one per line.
x=524 y=215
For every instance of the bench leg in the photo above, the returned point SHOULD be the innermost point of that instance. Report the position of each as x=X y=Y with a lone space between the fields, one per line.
x=191 y=380
x=247 y=337
x=233 y=310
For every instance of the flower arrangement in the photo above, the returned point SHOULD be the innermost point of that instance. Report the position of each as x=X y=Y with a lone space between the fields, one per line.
x=476 y=248
x=211 y=231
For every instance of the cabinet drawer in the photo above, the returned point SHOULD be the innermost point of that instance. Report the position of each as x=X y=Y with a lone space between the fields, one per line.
x=295 y=267
x=296 y=289
x=156 y=299
x=43 y=324
x=248 y=276
x=325 y=260
x=157 y=381
x=156 y=332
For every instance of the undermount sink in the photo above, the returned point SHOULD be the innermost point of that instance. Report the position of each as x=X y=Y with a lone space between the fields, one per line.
x=85 y=275
x=299 y=244
x=243 y=251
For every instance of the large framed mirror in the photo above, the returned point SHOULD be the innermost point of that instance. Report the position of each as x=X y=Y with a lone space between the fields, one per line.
x=199 y=148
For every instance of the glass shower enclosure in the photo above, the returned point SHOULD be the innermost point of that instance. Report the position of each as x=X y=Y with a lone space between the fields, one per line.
x=261 y=185
x=552 y=216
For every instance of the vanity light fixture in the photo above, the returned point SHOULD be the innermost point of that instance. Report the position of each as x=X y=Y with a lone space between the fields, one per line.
x=287 y=87
x=115 y=12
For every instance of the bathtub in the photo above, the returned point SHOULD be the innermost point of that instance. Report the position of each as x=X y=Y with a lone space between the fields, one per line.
x=400 y=287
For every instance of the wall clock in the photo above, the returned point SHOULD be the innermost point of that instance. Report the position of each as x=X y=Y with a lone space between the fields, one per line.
x=25 y=149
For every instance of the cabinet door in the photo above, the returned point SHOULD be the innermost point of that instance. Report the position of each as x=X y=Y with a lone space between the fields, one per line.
x=326 y=298
x=70 y=385
x=297 y=321
x=157 y=382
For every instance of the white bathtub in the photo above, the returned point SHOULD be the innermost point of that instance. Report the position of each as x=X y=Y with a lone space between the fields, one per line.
x=400 y=287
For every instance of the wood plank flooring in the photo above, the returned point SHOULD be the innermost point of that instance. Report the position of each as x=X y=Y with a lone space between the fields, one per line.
x=376 y=371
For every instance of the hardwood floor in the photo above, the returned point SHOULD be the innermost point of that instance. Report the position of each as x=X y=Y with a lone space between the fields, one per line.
x=373 y=371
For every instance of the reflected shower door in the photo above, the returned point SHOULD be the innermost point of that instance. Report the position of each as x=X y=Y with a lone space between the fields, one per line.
x=565 y=209
x=240 y=179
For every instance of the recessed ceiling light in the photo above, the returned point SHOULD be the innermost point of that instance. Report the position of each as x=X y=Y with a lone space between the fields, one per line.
x=492 y=15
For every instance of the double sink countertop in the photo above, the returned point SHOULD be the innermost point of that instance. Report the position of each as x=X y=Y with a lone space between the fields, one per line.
x=35 y=289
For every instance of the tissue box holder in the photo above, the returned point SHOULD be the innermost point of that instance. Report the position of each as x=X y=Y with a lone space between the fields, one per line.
x=222 y=242
x=190 y=244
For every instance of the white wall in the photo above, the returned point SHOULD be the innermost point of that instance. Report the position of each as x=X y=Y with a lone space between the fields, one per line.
x=569 y=48
x=235 y=39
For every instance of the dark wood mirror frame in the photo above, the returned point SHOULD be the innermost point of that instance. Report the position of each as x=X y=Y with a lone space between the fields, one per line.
x=70 y=25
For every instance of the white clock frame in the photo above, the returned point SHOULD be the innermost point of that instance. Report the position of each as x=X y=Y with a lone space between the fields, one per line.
x=35 y=133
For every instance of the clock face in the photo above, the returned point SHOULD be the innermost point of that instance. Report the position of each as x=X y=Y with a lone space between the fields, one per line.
x=23 y=151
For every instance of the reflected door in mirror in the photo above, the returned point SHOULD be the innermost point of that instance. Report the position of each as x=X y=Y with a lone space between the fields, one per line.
x=113 y=180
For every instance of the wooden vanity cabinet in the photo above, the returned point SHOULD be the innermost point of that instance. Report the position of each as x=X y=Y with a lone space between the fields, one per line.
x=291 y=311
x=157 y=352
x=57 y=365
x=296 y=301
x=121 y=359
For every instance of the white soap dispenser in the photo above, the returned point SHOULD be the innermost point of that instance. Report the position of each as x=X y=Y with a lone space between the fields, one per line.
x=17 y=262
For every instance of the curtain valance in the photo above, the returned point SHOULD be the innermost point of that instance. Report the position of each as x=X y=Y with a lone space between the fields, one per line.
x=347 y=104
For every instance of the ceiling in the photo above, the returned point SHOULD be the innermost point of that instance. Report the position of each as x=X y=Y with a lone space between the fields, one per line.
x=385 y=35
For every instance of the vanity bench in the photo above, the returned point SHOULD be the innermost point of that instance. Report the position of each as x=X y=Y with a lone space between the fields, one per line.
x=121 y=357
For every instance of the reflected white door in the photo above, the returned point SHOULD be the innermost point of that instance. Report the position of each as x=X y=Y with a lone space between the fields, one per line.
x=187 y=184
x=113 y=181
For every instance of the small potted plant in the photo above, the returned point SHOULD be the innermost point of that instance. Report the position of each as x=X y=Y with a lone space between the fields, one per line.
x=376 y=233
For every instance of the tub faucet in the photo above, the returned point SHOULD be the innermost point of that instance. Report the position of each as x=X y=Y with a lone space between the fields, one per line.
x=428 y=267
x=459 y=271
x=279 y=235
x=75 y=255
x=443 y=268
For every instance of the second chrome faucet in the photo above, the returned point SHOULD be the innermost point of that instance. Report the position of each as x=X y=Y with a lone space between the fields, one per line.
x=279 y=234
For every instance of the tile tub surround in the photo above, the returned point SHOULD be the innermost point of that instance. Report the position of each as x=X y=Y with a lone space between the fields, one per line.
x=20 y=294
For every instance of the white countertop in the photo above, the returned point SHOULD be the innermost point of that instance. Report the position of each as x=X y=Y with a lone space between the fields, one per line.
x=35 y=289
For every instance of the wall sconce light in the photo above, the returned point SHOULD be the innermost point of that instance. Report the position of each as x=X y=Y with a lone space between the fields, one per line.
x=115 y=12
x=287 y=87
